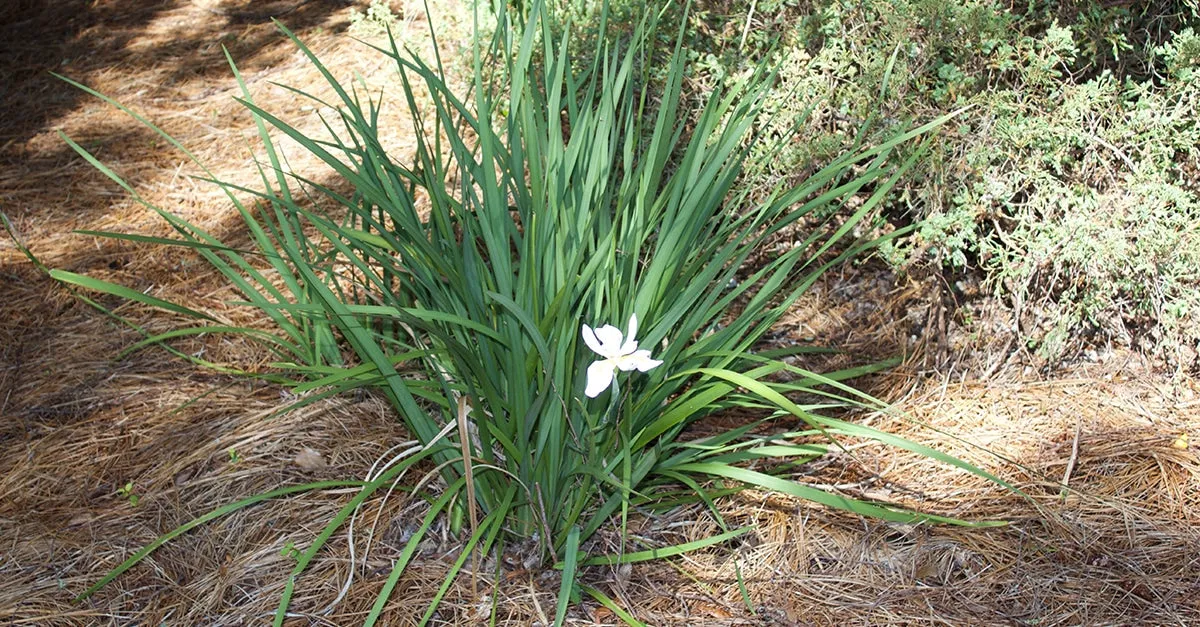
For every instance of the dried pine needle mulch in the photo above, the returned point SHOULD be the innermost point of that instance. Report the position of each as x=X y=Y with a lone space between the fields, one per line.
x=1121 y=546
x=77 y=426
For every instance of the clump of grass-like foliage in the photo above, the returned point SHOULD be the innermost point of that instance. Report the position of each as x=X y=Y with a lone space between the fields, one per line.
x=555 y=200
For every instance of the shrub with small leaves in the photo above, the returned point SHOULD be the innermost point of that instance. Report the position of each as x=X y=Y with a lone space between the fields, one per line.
x=1069 y=186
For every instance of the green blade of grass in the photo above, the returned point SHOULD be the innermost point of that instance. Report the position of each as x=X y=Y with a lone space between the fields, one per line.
x=367 y=489
x=667 y=551
x=409 y=549
x=808 y=493
x=213 y=515
x=98 y=285
x=612 y=606
x=570 y=568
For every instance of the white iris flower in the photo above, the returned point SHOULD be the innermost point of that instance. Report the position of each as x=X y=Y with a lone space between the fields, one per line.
x=618 y=352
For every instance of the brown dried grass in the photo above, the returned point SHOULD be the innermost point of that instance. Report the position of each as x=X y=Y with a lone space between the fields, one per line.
x=1120 y=547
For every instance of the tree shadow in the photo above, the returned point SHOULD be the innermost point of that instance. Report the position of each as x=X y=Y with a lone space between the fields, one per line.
x=81 y=38
x=148 y=53
x=37 y=38
x=55 y=350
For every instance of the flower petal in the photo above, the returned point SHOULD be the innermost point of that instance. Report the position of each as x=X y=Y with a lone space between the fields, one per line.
x=641 y=360
x=630 y=344
x=638 y=360
x=589 y=338
x=610 y=340
x=599 y=377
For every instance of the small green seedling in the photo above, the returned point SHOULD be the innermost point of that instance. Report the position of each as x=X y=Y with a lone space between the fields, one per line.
x=126 y=492
x=290 y=550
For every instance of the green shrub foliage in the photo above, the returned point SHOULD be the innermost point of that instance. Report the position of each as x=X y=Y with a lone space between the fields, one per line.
x=1070 y=186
